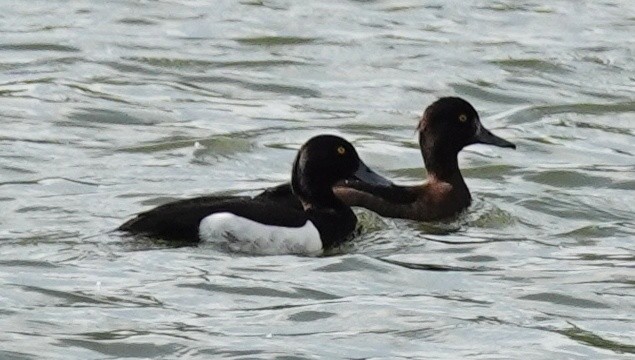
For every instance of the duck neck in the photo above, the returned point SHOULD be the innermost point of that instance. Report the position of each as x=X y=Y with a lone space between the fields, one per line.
x=442 y=164
x=314 y=195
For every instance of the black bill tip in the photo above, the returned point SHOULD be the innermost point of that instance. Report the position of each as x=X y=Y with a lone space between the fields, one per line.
x=484 y=136
x=365 y=174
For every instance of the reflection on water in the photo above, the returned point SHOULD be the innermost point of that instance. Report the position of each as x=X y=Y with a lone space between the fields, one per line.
x=111 y=108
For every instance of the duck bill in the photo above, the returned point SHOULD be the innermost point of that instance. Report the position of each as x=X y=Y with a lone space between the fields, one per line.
x=365 y=174
x=484 y=136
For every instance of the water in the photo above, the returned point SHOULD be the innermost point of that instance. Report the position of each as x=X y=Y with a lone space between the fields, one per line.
x=111 y=107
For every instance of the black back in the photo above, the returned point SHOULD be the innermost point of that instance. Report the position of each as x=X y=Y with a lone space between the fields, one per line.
x=320 y=163
x=179 y=220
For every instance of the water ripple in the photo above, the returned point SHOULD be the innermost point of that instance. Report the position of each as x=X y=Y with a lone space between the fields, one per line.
x=108 y=109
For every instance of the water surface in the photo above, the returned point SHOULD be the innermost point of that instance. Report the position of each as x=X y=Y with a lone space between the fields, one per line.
x=109 y=108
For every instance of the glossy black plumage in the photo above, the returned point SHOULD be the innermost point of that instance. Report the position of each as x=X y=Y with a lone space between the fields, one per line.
x=320 y=163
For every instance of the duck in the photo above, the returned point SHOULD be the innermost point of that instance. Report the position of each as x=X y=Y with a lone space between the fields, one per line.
x=314 y=221
x=447 y=126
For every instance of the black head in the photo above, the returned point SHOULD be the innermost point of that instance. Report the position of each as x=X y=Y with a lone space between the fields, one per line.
x=323 y=161
x=450 y=124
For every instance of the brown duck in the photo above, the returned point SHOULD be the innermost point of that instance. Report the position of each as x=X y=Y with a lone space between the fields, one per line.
x=447 y=126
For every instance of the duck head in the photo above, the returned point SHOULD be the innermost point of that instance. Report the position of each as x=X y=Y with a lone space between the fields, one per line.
x=447 y=126
x=323 y=161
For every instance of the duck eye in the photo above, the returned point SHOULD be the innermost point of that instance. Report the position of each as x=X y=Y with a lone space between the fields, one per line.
x=462 y=118
x=341 y=150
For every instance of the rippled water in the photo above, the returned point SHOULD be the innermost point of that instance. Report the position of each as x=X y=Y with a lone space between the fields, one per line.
x=111 y=107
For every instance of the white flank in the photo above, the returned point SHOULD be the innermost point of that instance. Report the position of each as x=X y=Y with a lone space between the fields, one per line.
x=248 y=236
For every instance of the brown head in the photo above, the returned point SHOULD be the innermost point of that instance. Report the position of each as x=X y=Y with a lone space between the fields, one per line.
x=447 y=126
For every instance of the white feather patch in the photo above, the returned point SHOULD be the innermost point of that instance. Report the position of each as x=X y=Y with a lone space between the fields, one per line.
x=248 y=236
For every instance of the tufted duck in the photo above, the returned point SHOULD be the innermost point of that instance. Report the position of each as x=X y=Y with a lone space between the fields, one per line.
x=266 y=226
x=447 y=126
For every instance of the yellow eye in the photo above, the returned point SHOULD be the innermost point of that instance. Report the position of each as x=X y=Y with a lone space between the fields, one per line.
x=462 y=118
x=341 y=150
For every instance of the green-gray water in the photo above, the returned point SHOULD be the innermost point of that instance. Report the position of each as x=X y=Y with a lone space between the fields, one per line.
x=108 y=108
